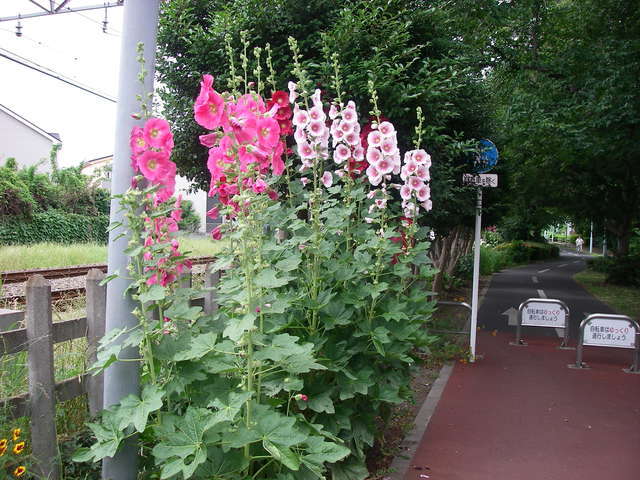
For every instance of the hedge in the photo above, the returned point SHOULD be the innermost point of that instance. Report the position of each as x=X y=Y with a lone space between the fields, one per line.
x=623 y=270
x=55 y=226
x=521 y=251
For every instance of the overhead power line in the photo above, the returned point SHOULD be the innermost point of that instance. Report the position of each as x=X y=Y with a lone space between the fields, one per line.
x=51 y=73
x=61 y=8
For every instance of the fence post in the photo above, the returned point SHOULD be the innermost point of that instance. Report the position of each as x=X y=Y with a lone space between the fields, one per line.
x=210 y=297
x=42 y=402
x=96 y=317
x=186 y=278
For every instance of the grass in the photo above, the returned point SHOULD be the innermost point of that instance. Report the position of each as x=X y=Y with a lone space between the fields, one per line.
x=49 y=255
x=623 y=300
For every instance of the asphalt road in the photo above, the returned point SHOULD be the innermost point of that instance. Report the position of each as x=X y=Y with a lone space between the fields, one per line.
x=553 y=279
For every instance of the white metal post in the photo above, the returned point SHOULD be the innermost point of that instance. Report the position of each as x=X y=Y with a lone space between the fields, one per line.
x=476 y=278
x=591 y=239
x=122 y=378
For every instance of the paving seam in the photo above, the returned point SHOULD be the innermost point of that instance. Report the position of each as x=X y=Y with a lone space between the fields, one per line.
x=401 y=462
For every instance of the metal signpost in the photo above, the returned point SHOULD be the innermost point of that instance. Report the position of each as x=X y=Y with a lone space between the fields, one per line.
x=604 y=330
x=483 y=163
x=543 y=312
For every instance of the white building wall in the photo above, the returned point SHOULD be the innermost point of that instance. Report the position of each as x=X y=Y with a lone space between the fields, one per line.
x=22 y=143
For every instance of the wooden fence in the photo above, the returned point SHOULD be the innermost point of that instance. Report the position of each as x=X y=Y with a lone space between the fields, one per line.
x=38 y=338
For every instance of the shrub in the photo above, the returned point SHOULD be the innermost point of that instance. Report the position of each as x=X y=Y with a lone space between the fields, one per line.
x=491 y=260
x=190 y=220
x=619 y=270
x=55 y=226
x=15 y=198
x=522 y=252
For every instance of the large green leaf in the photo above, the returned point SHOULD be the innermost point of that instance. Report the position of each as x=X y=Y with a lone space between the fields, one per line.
x=282 y=454
x=198 y=347
x=134 y=410
x=237 y=326
x=267 y=278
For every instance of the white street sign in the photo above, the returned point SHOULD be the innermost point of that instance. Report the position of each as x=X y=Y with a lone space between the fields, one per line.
x=609 y=332
x=543 y=314
x=480 y=180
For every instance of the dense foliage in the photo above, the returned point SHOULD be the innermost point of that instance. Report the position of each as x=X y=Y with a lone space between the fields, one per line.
x=321 y=296
x=564 y=81
x=54 y=226
x=409 y=50
x=623 y=270
x=64 y=206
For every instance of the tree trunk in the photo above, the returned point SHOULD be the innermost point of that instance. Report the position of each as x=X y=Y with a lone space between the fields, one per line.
x=446 y=251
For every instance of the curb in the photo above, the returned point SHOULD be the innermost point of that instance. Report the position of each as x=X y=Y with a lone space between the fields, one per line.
x=409 y=445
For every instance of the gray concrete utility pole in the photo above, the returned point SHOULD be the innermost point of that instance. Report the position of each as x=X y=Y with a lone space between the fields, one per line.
x=122 y=378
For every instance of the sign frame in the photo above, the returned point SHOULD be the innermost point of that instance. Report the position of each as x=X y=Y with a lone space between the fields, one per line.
x=605 y=316
x=551 y=301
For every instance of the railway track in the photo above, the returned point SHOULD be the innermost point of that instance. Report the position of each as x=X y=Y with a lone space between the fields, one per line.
x=19 y=276
x=14 y=277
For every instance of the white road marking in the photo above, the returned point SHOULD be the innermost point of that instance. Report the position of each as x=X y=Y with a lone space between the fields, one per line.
x=541 y=294
x=545 y=270
x=577 y=261
x=563 y=265
x=535 y=279
x=512 y=313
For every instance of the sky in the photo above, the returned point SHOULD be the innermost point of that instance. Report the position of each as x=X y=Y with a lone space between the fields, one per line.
x=74 y=46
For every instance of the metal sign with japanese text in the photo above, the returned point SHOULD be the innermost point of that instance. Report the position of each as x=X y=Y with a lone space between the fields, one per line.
x=609 y=332
x=547 y=314
x=480 y=180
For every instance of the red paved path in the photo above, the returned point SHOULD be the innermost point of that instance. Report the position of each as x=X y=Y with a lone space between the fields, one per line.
x=521 y=414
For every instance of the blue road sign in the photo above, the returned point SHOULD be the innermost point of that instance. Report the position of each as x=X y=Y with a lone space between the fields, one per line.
x=487 y=159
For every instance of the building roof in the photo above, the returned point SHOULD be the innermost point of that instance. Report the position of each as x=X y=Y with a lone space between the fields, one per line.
x=52 y=137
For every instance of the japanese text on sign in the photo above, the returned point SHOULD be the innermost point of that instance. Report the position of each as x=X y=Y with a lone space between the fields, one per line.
x=607 y=332
x=481 y=180
x=539 y=314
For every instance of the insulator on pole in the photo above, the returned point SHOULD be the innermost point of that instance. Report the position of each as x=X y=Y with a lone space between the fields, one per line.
x=19 y=29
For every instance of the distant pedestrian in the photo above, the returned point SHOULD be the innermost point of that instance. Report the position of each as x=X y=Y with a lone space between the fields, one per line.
x=579 y=243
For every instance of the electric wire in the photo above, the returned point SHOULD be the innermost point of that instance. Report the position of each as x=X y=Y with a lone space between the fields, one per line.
x=51 y=73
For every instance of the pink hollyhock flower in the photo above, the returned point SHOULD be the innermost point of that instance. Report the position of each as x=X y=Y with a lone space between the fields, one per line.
x=216 y=233
x=209 y=114
x=428 y=205
x=333 y=112
x=254 y=103
x=422 y=158
x=316 y=113
x=386 y=129
x=372 y=194
x=423 y=193
x=156 y=132
x=352 y=138
x=300 y=118
x=415 y=183
x=358 y=152
x=208 y=140
x=349 y=115
x=166 y=191
x=423 y=173
x=368 y=219
x=373 y=155
x=292 y=92
x=317 y=128
x=327 y=179
x=341 y=153
x=389 y=147
x=137 y=142
x=155 y=166
x=153 y=279
x=301 y=396
x=405 y=192
x=268 y=132
x=243 y=123
x=304 y=181
x=346 y=127
x=147 y=256
x=381 y=203
x=176 y=214
x=277 y=164
x=213 y=213
x=384 y=166
x=167 y=278
x=259 y=186
x=305 y=150
x=315 y=98
x=374 y=138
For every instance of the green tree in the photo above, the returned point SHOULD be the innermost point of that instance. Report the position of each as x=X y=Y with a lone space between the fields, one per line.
x=564 y=76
